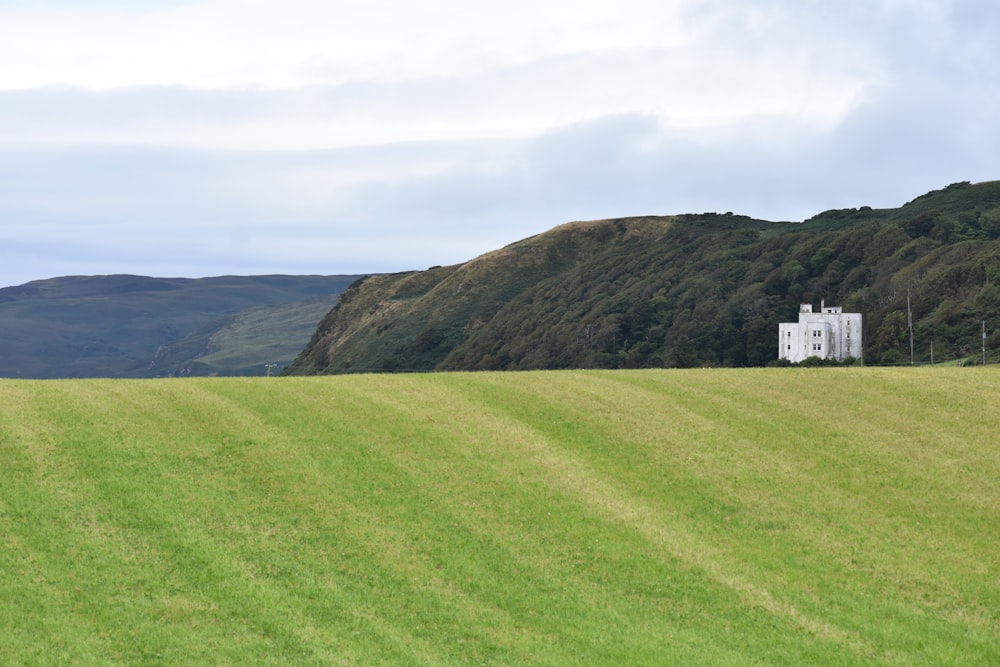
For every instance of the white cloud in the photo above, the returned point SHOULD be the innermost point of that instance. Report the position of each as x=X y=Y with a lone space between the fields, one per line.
x=300 y=42
x=685 y=88
x=306 y=74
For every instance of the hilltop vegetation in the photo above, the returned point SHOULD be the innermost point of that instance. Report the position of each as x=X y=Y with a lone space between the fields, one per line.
x=723 y=517
x=682 y=291
x=137 y=326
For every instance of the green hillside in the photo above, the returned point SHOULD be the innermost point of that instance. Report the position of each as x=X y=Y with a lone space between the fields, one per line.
x=843 y=516
x=689 y=290
x=244 y=343
x=137 y=326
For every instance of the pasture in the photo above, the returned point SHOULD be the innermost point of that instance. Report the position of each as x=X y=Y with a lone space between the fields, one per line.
x=836 y=516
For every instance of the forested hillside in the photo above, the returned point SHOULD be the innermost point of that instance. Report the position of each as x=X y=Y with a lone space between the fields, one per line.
x=681 y=291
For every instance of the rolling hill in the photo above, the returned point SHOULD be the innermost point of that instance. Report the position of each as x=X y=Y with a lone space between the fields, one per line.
x=688 y=290
x=138 y=326
x=830 y=516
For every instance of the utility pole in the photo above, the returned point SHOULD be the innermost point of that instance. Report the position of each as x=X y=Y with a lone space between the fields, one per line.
x=269 y=367
x=984 y=342
x=909 y=322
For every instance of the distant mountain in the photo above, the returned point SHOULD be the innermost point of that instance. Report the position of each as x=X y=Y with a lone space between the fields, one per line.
x=685 y=290
x=138 y=326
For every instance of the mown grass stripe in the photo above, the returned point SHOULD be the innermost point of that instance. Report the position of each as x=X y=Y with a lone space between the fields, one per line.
x=661 y=526
x=703 y=400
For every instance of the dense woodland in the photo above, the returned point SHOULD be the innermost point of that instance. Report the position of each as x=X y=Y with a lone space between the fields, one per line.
x=682 y=291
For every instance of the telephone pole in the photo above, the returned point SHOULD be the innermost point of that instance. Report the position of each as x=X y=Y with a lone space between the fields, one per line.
x=984 y=342
x=909 y=322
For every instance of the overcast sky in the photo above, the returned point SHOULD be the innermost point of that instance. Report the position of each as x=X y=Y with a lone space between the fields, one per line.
x=209 y=137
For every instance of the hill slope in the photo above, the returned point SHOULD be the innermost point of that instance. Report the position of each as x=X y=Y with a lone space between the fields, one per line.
x=137 y=326
x=722 y=517
x=686 y=290
x=246 y=342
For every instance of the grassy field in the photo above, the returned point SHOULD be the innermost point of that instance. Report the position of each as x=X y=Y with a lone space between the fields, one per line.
x=715 y=517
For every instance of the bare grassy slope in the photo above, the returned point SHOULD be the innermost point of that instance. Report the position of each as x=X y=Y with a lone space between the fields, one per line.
x=137 y=326
x=759 y=516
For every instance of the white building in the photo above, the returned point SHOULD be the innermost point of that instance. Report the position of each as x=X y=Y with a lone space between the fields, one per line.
x=828 y=334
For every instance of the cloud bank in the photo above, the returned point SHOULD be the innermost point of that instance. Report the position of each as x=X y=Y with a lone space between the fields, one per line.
x=202 y=137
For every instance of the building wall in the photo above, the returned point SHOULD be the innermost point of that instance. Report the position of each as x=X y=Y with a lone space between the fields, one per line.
x=827 y=334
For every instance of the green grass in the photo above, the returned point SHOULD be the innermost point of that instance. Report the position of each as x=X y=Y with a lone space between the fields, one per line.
x=759 y=516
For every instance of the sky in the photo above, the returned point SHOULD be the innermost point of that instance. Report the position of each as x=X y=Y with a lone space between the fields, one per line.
x=209 y=137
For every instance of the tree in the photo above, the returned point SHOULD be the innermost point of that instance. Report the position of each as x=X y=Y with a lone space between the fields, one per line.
x=682 y=353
